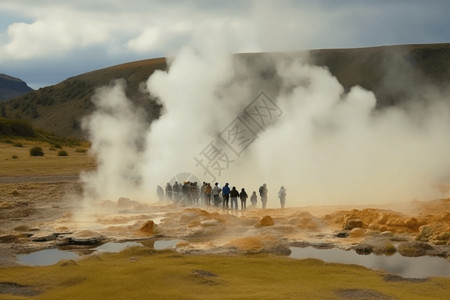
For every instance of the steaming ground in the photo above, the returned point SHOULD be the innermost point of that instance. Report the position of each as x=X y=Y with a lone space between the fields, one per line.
x=42 y=217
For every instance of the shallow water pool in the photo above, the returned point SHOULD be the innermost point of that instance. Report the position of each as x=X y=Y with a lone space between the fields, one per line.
x=45 y=257
x=408 y=267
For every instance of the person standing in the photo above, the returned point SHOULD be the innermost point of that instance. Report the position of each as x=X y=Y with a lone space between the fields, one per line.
x=234 y=194
x=254 y=199
x=160 y=192
x=243 y=195
x=226 y=195
x=282 y=196
x=202 y=194
x=176 y=191
x=216 y=193
x=208 y=191
x=169 y=192
x=263 y=193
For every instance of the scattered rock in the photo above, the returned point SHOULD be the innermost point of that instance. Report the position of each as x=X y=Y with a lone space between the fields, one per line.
x=8 y=238
x=147 y=227
x=351 y=223
x=342 y=234
x=436 y=233
x=387 y=233
x=357 y=232
x=266 y=221
x=322 y=245
x=84 y=237
x=5 y=205
x=363 y=249
x=414 y=249
x=210 y=222
x=22 y=228
x=300 y=244
x=44 y=237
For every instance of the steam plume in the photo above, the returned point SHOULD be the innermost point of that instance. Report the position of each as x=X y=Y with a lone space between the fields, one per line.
x=328 y=147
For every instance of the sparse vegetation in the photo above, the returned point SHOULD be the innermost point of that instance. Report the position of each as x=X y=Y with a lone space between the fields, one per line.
x=14 y=157
x=81 y=150
x=36 y=151
x=18 y=145
x=62 y=153
x=15 y=128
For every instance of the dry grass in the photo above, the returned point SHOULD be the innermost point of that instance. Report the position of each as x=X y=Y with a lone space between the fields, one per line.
x=49 y=164
x=139 y=273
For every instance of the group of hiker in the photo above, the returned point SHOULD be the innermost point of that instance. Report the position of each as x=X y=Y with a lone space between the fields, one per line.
x=190 y=193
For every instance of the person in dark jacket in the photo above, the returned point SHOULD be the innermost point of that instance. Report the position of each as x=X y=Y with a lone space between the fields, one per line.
x=234 y=194
x=243 y=195
x=226 y=195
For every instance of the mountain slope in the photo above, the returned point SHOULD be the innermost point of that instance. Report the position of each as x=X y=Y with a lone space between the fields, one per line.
x=11 y=87
x=394 y=73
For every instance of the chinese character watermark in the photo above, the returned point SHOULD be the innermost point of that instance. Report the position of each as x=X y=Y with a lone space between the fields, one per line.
x=238 y=136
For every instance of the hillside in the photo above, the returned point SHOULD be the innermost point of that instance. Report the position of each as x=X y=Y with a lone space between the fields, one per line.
x=11 y=87
x=393 y=73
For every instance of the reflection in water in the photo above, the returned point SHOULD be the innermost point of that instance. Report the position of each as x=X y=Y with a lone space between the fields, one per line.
x=408 y=267
x=116 y=247
x=166 y=244
x=45 y=257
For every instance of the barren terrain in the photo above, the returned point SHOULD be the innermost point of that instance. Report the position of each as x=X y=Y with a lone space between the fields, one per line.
x=41 y=207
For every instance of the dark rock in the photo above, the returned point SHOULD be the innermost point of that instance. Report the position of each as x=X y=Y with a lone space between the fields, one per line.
x=342 y=234
x=323 y=245
x=300 y=244
x=44 y=237
x=414 y=249
x=8 y=238
x=363 y=249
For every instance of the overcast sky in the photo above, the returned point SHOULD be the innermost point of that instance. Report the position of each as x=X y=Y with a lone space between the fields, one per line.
x=44 y=42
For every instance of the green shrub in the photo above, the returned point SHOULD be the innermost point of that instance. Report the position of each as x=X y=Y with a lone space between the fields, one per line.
x=58 y=146
x=18 y=145
x=36 y=151
x=62 y=153
x=14 y=157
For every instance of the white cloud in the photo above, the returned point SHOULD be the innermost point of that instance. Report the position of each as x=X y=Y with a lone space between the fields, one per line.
x=69 y=29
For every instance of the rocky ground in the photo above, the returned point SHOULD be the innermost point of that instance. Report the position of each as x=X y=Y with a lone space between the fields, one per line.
x=49 y=213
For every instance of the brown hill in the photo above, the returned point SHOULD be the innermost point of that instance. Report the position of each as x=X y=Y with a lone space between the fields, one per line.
x=393 y=73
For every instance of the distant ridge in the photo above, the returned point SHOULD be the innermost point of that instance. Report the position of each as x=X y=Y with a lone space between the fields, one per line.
x=393 y=73
x=11 y=87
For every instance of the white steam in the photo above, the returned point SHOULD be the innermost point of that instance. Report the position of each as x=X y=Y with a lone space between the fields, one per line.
x=328 y=147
